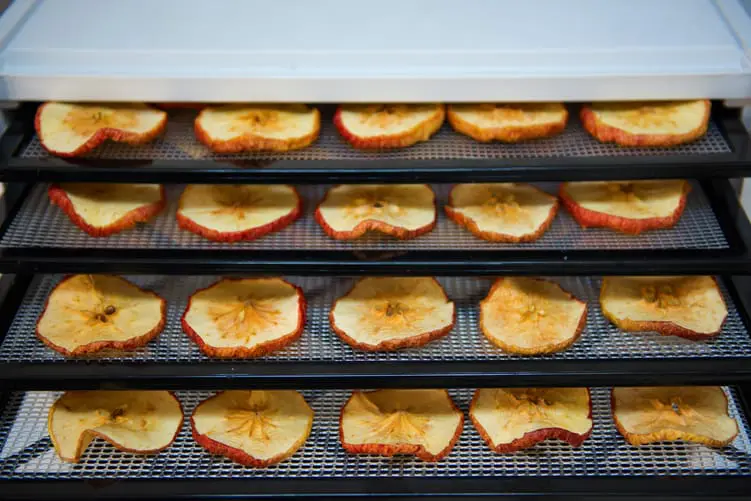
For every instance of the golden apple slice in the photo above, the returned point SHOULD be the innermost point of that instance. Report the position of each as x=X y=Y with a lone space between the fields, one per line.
x=235 y=128
x=386 y=314
x=657 y=123
x=254 y=428
x=244 y=318
x=422 y=423
x=229 y=213
x=689 y=307
x=508 y=122
x=512 y=419
x=530 y=316
x=382 y=126
x=89 y=313
x=139 y=422
x=502 y=212
x=403 y=211
x=71 y=130
x=690 y=413
x=626 y=206
x=103 y=209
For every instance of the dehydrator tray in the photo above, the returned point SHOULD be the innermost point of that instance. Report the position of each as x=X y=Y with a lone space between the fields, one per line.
x=26 y=452
x=39 y=223
x=39 y=237
x=448 y=156
x=321 y=358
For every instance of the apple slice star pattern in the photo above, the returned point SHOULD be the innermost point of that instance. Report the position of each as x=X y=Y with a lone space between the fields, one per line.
x=245 y=318
x=255 y=428
x=422 y=423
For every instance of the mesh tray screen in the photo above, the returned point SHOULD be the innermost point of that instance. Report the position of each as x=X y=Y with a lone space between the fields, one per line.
x=600 y=339
x=40 y=224
x=179 y=143
x=27 y=452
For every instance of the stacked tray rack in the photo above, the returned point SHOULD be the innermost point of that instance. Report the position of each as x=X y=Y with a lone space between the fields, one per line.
x=38 y=245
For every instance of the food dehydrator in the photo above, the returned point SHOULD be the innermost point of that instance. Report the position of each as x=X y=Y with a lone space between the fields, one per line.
x=333 y=51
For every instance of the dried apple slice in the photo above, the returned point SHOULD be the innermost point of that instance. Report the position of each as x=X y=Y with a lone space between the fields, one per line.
x=244 y=318
x=229 y=213
x=85 y=314
x=382 y=126
x=530 y=316
x=626 y=206
x=139 y=422
x=386 y=314
x=512 y=419
x=698 y=414
x=689 y=307
x=257 y=127
x=658 y=123
x=502 y=212
x=422 y=423
x=71 y=130
x=103 y=209
x=508 y=122
x=254 y=428
x=403 y=211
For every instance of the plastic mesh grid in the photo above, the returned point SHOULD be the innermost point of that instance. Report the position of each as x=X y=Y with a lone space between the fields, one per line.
x=179 y=143
x=600 y=339
x=40 y=224
x=27 y=452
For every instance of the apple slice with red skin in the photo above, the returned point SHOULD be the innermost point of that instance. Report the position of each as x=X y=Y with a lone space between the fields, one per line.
x=502 y=212
x=139 y=422
x=255 y=428
x=645 y=415
x=423 y=423
x=403 y=211
x=103 y=209
x=646 y=124
x=72 y=130
x=245 y=318
x=232 y=213
x=690 y=307
x=235 y=128
x=531 y=316
x=512 y=419
x=391 y=313
x=508 y=122
x=384 y=126
x=627 y=206
x=85 y=314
